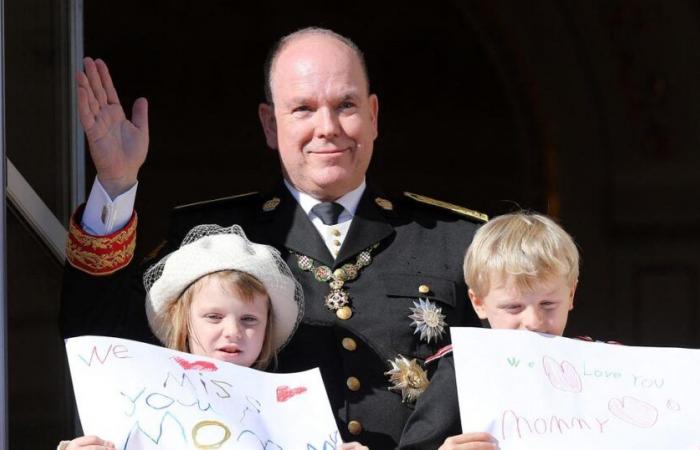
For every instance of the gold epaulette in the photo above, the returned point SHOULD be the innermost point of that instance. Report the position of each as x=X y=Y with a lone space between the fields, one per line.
x=449 y=206
x=100 y=255
x=215 y=200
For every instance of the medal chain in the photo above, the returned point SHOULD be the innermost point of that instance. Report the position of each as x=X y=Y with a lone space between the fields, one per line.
x=337 y=297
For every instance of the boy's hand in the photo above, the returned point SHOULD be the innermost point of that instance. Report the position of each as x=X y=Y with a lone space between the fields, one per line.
x=90 y=443
x=353 y=446
x=470 y=441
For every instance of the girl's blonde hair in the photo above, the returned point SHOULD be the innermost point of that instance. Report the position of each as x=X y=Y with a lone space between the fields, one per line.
x=243 y=284
x=530 y=247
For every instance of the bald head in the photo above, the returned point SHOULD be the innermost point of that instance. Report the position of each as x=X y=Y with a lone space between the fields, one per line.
x=305 y=33
x=320 y=115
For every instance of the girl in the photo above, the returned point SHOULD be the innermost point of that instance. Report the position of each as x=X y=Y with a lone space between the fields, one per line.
x=222 y=296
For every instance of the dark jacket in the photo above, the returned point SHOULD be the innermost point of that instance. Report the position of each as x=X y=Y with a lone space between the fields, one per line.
x=418 y=244
x=436 y=414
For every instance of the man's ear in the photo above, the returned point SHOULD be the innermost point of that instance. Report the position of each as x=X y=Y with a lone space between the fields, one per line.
x=374 y=113
x=266 y=113
x=478 y=305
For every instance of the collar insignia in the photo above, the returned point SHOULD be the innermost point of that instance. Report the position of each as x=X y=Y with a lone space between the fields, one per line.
x=384 y=204
x=271 y=204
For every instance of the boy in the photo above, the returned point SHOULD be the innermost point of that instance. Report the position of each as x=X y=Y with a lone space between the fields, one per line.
x=522 y=270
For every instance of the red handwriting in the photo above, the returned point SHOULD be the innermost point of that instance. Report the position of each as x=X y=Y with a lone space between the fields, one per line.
x=563 y=376
x=634 y=411
x=513 y=425
x=201 y=366
x=117 y=351
x=284 y=393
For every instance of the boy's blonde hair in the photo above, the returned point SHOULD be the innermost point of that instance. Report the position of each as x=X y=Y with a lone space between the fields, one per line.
x=530 y=247
x=241 y=283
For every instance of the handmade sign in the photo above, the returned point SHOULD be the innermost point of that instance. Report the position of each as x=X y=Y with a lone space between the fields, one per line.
x=533 y=391
x=141 y=396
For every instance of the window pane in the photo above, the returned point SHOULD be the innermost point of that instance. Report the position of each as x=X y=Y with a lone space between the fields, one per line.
x=37 y=97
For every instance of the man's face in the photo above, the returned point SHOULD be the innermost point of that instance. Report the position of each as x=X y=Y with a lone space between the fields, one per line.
x=324 y=121
x=545 y=309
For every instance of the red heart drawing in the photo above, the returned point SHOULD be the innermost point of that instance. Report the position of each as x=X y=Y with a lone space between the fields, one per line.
x=562 y=376
x=284 y=393
x=202 y=366
x=634 y=411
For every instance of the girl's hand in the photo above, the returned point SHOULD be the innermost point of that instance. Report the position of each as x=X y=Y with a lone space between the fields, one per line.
x=89 y=443
x=353 y=446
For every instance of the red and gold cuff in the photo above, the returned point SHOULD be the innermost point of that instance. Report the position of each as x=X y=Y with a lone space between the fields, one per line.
x=100 y=255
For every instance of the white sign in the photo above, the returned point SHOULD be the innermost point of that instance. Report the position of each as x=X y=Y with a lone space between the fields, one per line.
x=141 y=396
x=542 y=392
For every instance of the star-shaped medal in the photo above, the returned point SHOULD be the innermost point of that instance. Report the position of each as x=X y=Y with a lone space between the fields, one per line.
x=428 y=320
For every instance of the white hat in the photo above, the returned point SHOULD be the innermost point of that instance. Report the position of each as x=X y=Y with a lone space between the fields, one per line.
x=210 y=248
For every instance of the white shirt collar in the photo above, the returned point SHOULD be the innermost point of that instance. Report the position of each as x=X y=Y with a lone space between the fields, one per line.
x=349 y=201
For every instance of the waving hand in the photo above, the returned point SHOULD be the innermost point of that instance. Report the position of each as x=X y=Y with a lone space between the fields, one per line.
x=118 y=147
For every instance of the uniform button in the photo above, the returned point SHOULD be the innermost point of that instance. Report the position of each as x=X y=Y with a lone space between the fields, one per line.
x=336 y=243
x=349 y=344
x=354 y=427
x=344 y=313
x=335 y=232
x=353 y=384
x=423 y=288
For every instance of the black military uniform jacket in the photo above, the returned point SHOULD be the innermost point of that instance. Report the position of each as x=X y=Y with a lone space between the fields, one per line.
x=436 y=414
x=419 y=255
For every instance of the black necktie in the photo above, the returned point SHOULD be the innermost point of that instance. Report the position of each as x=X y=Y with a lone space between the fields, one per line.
x=328 y=212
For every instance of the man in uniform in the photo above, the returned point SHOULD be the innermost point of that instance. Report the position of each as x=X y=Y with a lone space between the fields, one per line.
x=381 y=276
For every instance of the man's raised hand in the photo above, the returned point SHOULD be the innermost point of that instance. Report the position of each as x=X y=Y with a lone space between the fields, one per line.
x=118 y=147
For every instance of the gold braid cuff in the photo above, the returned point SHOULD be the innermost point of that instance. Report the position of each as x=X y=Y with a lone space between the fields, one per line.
x=100 y=255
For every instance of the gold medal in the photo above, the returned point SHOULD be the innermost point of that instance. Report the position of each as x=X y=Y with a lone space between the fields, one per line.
x=407 y=377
